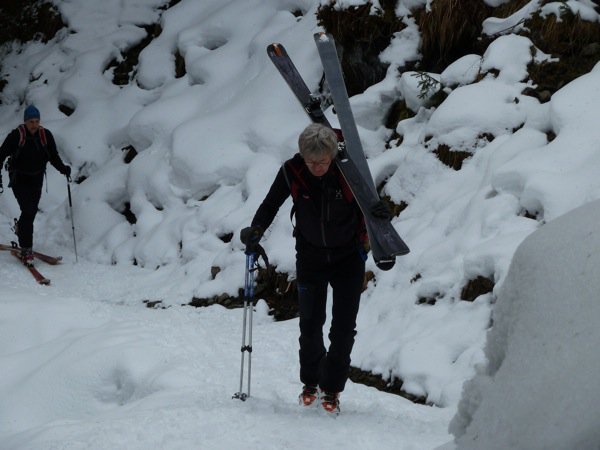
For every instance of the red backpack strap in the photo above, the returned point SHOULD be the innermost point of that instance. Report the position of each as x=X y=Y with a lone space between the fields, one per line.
x=339 y=135
x=295 y=183
x=22 y=135
x=288 y=181
x=43 y=139
x=348 y=195
x=297 y=180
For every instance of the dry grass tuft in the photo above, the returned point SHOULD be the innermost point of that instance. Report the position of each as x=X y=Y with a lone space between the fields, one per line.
x=567 y=37
x=451 y=158
x=450 y=30
x=574 y=41
x=360 y=38
x=478 y=286
x=508 y=9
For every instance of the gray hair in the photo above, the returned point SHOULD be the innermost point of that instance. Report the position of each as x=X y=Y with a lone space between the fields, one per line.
x=317 y=140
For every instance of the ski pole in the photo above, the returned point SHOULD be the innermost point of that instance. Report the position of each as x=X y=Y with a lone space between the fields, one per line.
x=247 y=325
x=72 y=222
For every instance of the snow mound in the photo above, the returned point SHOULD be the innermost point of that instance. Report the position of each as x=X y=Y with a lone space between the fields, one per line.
x=547 y=311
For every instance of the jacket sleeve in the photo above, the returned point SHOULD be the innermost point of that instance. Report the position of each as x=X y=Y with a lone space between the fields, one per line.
x=268 y=209
x=8 y=146
x=53 y=152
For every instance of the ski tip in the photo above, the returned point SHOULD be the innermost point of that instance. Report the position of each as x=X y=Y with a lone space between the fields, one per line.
x=321 y=36
x=276 y=49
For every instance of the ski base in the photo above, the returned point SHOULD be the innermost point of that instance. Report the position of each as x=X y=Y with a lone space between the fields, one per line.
x=41 y=279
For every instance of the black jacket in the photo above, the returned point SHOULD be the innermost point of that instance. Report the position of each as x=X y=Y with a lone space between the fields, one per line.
x=29 y=162
x=327 y=220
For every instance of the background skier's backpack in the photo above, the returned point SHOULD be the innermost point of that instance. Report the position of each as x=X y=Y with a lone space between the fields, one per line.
x=22 y=138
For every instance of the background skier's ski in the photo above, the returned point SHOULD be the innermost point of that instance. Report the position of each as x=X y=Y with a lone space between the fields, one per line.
x=53 y=260
x=385 y=241
x=41 y=279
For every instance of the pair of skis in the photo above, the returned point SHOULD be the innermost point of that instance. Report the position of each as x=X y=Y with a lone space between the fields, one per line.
x=385 y=242
x=15 y=250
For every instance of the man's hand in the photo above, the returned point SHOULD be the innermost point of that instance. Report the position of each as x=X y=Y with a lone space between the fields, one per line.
x=250 y=236
x=66 y=172
x=381 y=210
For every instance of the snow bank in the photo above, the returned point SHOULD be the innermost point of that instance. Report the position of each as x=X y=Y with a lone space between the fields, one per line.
x=540 y=387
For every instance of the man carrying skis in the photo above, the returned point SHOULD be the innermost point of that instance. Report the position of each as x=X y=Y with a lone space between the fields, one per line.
x=29 y=147
x=331 y=245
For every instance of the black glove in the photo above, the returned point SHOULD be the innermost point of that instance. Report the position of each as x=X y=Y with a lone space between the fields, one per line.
x=66 y=171
x=381 y=210
x=250 y=236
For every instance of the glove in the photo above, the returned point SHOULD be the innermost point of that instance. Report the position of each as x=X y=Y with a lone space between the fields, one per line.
x=363 y=250
x=363 y=255
x=66 y=171
x=250 y=236
x=381 y=210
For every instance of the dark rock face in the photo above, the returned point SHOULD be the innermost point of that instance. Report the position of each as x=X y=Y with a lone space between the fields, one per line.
x=25 y=20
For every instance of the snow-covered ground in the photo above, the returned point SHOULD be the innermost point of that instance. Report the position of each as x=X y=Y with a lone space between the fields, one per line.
x=86 y=365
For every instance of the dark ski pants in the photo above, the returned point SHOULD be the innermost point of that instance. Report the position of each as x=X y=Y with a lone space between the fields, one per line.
x=328 y=368
x=28 y=198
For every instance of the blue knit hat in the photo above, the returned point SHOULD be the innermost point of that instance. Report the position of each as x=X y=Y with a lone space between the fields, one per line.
x=31 y=112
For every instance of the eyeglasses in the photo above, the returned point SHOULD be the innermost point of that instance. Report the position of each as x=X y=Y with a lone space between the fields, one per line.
x=320 y=163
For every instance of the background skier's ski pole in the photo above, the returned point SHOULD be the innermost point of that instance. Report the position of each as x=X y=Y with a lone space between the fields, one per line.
x=72 y=221
x=247 y=329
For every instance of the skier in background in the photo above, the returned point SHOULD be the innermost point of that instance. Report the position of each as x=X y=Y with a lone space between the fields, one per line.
x=29 y=147
x=331 y=249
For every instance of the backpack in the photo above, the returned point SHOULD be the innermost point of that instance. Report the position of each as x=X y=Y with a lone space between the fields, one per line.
x=298 y=182
x=22 y=139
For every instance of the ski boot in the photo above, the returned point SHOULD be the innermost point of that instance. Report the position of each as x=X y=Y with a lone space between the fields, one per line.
x=308 y=395
x=330 y=402
x=27 y=256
